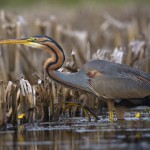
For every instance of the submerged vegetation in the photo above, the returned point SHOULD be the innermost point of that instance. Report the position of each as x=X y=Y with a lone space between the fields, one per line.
x=28 y=95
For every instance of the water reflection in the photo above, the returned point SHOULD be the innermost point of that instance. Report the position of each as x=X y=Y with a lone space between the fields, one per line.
x=102 y=135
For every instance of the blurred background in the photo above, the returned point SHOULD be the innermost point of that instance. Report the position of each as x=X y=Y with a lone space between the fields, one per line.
x=15 y=3
x=67 y=2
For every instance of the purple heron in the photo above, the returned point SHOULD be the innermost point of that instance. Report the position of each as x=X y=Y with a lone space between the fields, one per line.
x=102 y=78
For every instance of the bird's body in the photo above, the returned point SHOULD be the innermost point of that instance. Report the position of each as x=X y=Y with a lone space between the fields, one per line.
x=117 y=81
x=99 y=77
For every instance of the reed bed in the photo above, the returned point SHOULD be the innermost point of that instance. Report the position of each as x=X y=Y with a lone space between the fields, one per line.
x=27 y=95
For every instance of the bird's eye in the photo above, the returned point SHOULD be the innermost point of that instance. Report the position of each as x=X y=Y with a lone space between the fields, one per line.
x=33 y=39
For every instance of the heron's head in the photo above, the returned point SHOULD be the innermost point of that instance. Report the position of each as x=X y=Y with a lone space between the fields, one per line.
x=35 y=41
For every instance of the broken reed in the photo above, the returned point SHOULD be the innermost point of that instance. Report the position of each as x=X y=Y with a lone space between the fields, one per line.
x=115 y=40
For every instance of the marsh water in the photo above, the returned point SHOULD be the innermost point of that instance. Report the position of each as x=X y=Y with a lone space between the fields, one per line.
x=78 y=133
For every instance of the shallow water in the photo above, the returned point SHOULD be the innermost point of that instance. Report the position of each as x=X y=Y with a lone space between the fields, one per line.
x=78 y=133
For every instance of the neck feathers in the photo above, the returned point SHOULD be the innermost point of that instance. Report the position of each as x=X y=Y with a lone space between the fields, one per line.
x=57 y=56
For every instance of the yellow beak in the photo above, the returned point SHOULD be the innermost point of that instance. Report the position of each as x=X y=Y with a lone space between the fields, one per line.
x=16 y=41
x=24 y=41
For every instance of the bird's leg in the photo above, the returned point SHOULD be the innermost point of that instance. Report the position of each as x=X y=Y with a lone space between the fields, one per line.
x=111 y=109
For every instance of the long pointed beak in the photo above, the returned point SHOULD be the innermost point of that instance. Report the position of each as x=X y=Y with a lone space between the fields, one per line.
x=15 y=41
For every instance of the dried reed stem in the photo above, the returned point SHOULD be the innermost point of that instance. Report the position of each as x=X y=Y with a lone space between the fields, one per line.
x=3 y=120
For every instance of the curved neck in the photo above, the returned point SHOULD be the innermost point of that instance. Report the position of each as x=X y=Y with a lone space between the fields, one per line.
x=57 y=56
